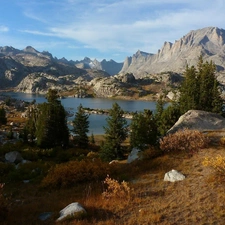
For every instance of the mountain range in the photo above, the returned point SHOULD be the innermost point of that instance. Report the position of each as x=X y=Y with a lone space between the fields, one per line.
x=208 y=42
x=18 y=66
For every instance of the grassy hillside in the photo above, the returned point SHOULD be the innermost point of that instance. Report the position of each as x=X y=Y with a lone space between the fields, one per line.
x=199 y=199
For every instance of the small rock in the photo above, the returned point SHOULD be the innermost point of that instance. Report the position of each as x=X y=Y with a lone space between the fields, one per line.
x=45 y=216
x=13 y=157
x=173 y=176
x=135 y=154
x=72 y=209
x=26 y=181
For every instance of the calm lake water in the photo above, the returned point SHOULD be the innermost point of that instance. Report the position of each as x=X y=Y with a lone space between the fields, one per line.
x=96 y=121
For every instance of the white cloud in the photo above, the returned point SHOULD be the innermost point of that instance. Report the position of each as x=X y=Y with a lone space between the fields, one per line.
x=3 y=28
x=126 y=25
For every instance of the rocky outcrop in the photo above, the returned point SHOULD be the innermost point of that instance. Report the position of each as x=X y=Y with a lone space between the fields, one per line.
x=199 y=120
x=106 y=87
x=41 y=82
x=209 y=42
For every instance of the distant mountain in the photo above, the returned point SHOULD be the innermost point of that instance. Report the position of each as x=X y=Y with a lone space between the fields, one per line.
x=111 y=67
x=32 y=71
x=15 y=65
x=209 y=42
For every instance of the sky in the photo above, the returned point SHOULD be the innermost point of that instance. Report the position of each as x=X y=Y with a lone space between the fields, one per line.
x=103 y=29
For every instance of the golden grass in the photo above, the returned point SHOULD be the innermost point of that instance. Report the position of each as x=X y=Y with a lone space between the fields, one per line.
x=199 y=199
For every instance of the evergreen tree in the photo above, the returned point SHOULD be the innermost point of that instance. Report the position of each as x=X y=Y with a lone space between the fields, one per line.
x=143 y=130
x=115 y=133
x=29 y=130
x=200 y=89
x=169 y=117
x=158 y=113
x=92 y=138
x=190 y=90
x=51 y=125
x=81 y=127
x=3 y=119
x=52 y=95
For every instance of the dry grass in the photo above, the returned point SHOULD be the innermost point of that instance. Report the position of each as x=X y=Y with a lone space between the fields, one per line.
x=199 y=199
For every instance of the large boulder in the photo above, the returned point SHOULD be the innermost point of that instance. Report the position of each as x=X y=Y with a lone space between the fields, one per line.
x=199 y=120
x=128 y=78
x=13 y=157
x=74 y=209
x=173 y=176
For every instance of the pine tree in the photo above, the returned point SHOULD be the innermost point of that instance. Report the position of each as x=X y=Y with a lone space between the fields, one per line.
x=200 y=89
x=115 y=133
x=52 y=95
x=169 y=117
x=51 y=125
x=189 y=91
x=29 y=130
x=92 y=138
x=143 y=130
x=81 y=127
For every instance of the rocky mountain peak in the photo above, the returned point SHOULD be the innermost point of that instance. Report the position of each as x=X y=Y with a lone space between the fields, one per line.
x=141 y=53
x=30 y=49
x=208 y=42
x=6 y=50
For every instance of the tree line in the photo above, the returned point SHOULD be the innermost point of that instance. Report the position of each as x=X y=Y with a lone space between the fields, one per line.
x=47 y=123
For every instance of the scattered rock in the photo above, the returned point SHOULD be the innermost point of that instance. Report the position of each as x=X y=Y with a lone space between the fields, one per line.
x=44 y=216
x=113 y=162
x=74 y=209
x=26 y=181
x=173 y=176
x=13 y=157
x=135 y=154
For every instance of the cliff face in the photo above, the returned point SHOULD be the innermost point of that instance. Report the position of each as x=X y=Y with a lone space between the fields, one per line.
x=209 y=42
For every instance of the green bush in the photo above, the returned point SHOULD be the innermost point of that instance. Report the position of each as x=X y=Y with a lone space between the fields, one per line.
x=73 y=172
x=8 y=147
x=5 y=169
x=29 y=171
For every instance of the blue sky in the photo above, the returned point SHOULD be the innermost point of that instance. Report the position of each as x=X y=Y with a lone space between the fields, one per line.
x=103 y=29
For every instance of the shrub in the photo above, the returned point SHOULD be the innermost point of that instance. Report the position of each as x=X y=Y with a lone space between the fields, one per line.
x=3 y=205
x=5 y=169
x=217 y=163
x=73 y=172
x=29 y=171
x=151 y=152
x=222 y=141
x=116 y=191
x=188 y=141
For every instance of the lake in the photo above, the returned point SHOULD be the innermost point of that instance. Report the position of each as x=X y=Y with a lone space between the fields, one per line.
x=96 y=121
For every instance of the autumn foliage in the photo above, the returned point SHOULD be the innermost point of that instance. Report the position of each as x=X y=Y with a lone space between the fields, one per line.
x=74 y=172
x=217 y=163
x=188 y=141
